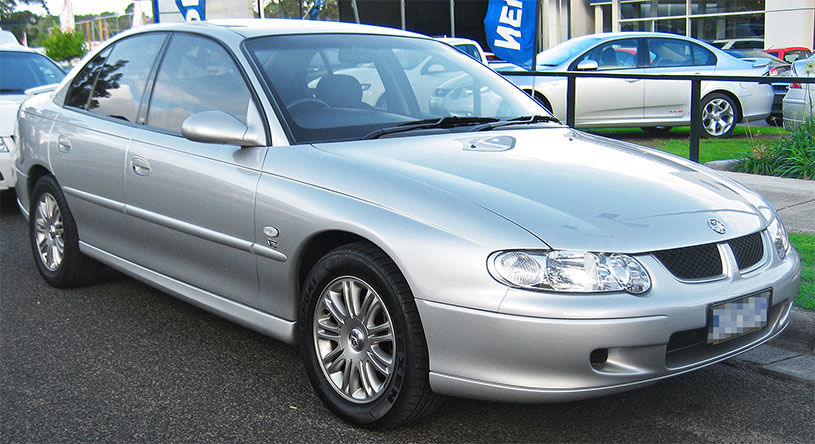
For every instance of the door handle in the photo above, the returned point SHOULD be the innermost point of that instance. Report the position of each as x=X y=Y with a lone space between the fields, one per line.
x=140 y=166
x=632 y=80
x=64 y=144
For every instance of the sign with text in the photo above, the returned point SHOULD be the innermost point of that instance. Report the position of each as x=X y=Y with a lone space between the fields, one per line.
x=168 y=11
x=510 y=29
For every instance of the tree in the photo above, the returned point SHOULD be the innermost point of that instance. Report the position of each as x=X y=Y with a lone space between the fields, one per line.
x=8 y=6
x=64 y=45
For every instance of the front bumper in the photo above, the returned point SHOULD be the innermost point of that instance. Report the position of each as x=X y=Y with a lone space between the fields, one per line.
x=538 y=358
x=7 y=177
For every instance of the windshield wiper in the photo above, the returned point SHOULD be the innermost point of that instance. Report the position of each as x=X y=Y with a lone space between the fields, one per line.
x=523 y=120
x=444 y=122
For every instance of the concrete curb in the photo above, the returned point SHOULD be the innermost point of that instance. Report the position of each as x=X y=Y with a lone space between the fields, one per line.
x=800 y=333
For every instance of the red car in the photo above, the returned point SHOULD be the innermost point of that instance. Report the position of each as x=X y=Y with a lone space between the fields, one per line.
x=790 y=54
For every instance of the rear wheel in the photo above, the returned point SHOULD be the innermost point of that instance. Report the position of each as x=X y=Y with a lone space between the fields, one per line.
x=54 y=238
x=719 y=115
x=361 y=339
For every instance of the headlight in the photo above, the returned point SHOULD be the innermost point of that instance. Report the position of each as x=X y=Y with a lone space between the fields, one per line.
x=779 y=237
x=564 y=270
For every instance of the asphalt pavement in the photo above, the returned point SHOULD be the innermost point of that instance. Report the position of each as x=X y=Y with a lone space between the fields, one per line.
x=118 y=361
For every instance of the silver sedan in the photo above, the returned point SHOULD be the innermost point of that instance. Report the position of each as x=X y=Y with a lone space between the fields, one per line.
x=797 y=105
x=654 y=105
x=501 y=255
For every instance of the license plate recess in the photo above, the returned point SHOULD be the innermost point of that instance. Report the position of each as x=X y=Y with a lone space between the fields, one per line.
x=737 y=317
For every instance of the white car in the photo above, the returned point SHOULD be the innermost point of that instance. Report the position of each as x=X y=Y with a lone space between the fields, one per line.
x=21 y=69
x=797 y=104
x=467 y=46
x=655 y=105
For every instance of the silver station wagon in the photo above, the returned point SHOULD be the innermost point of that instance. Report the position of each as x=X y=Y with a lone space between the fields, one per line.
x=291 y=176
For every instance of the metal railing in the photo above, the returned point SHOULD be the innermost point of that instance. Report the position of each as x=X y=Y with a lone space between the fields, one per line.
x=695 y=91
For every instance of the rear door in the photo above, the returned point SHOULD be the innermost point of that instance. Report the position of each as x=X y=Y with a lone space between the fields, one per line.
x=669 y=100
x=191 y=204
x=91 y=137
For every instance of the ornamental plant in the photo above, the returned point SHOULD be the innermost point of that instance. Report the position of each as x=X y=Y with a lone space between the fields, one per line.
x=64 y=45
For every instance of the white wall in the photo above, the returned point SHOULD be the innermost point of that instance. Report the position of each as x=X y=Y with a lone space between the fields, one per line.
x=789 y=23
x=229 y=9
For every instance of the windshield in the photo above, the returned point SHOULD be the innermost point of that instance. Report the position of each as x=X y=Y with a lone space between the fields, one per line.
x=344 y=87
x=20 y=71
x=565 y=51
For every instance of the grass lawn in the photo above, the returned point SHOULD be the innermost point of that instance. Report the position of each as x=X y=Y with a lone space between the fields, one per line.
x=805 y=244
x=677 y=141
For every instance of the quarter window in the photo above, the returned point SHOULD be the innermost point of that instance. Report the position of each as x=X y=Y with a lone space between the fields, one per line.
x=120 y=84
x=702 y=56
x=196 y=74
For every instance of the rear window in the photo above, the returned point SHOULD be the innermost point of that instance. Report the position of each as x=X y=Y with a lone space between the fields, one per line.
x=20 y=71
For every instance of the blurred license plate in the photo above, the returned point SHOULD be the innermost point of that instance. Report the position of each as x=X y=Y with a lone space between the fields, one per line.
x=738 y=317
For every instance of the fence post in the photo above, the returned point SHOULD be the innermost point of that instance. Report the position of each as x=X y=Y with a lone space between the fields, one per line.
x=570 y=99
x=695 y=118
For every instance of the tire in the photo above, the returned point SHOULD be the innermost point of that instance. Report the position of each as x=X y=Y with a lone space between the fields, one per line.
x=719 y=115
x=54 y=239
x=372 y=397
x=656 y=131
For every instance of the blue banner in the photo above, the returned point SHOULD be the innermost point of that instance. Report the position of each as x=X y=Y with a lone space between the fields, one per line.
x=510 y=29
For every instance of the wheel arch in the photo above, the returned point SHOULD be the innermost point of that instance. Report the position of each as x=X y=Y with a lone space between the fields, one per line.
x=733 y=97
x=540 y=98
x=36 y=172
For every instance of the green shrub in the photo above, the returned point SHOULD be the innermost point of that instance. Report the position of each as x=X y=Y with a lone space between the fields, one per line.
x=792 y=156
x=64 y=45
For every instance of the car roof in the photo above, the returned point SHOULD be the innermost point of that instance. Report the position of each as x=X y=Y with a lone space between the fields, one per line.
x=16 y=48
x=455 y=40
x=249 y=28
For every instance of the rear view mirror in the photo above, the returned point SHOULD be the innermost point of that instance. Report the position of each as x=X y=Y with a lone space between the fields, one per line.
x=220 y=127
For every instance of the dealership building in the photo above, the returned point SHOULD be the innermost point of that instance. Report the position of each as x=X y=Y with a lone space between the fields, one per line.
x=771 y=23
x=736 y=23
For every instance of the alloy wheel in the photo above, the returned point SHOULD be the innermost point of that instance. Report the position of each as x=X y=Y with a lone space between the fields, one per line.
x=49 y=232
x=718 y=116
x=354 y=339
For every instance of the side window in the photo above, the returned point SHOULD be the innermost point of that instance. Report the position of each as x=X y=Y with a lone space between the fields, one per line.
x=702 y=56
x=618 y=54
x=120 y=85
x=82 y=85
x=196 y=74
x=669 y=52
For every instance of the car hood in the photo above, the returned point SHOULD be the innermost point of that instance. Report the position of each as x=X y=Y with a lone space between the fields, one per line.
x=572 y=190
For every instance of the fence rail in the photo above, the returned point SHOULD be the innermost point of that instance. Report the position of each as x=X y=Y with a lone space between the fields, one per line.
x=695 y=91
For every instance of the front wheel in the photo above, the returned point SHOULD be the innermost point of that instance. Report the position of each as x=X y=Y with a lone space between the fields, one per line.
x=718 y=115
x=361 y=339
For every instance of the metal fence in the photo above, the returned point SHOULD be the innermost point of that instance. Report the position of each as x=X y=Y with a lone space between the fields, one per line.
x=695 y=92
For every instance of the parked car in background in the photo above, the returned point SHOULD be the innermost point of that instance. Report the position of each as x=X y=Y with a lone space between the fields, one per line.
x=778 y=68
x=798 y=104
x=790 y=54
x=501 y=256
x=739 y=43
x=654 y=105
x=467 y=46
x=21 y=69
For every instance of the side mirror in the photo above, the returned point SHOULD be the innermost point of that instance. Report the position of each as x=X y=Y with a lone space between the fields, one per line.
x=220 y=127
x=587 y=65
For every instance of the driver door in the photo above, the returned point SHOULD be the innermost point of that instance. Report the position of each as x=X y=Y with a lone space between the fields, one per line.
x=615 y=100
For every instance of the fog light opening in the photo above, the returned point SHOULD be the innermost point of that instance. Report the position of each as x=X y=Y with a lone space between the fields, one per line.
x=598 y=358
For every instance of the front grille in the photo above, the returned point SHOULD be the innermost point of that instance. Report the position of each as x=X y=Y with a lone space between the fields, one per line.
x=698 y=262
x=747 y=249
x=704 y=261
